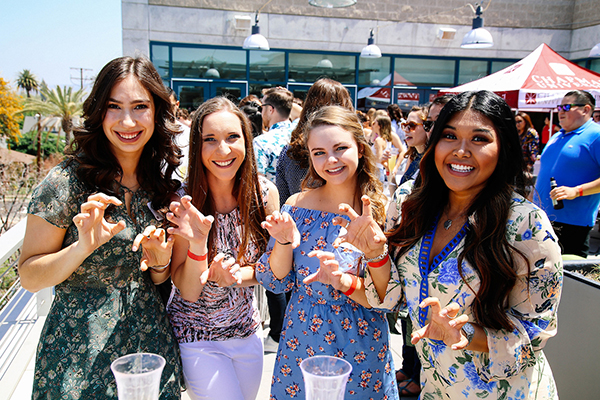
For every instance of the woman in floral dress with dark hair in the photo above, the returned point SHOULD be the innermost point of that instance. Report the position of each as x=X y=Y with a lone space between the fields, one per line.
x=87 y=220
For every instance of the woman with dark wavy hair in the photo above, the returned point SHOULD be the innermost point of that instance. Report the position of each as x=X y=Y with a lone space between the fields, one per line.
x=478 y=266
x=217 y=223
x=87 y=220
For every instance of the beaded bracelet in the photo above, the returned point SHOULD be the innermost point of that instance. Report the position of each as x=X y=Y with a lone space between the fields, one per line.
x=159 y=270
x=196 y=257
x=379 y=257
x=353 y=286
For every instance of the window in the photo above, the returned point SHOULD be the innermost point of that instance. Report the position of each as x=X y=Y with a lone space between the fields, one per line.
x=304 y=67
x=372 y=71
x=160 y=59
x=267 y=66
x=209 y=63
x=424 y=72
x=471 y=70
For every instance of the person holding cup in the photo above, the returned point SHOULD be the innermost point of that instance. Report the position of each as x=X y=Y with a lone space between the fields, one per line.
x=319 y=319
x=86 y=222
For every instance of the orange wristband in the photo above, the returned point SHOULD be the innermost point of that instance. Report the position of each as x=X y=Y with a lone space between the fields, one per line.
x=196 y=257
x=380 y=263
x=580 y=189
x=353 y=286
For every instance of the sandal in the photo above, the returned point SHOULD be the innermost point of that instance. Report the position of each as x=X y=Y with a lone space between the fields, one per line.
x=404 y=392
x=401 y=379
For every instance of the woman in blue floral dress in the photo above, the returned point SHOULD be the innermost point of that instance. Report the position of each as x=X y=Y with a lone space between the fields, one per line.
x=478 y=266
x=87 y=220
x=321 y=320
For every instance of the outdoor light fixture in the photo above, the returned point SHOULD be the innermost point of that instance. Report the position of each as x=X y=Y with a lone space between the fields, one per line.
x=256 y=41
x=212 y=73
x=325 y=64
x=595 y=51
x=332 y=3
x=478 y=37
x=370 y=50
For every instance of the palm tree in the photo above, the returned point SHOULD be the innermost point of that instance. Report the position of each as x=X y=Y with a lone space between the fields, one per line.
x=59 y=102
x=27 y=81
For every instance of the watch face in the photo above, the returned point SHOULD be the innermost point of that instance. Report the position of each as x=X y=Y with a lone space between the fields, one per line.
x=469 y=331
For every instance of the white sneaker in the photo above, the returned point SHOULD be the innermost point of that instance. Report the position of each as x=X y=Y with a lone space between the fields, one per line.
x=270 y=345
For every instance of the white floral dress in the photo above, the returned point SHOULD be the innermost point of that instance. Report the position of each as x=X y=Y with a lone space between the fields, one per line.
x=515 y=367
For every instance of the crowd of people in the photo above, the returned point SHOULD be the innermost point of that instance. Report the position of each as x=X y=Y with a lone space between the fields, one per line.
x=159 y=227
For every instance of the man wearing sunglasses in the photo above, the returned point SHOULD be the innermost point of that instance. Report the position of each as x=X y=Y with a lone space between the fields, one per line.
x=572 y=158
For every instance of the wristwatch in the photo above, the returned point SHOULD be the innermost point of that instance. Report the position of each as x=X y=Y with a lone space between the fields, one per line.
x=469 y=331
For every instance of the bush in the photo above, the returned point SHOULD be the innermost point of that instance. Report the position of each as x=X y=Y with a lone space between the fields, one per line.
x=28 y=144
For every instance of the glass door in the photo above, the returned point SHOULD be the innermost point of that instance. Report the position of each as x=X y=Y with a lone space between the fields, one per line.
x=192 y=93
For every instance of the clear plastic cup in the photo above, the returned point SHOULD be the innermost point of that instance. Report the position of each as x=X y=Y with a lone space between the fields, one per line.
x=138 y=376
x=325 y=377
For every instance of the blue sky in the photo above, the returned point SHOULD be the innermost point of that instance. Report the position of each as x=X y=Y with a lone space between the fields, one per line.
x=49 y=37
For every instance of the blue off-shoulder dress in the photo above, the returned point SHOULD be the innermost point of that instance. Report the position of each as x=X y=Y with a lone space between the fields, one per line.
x=320 y=320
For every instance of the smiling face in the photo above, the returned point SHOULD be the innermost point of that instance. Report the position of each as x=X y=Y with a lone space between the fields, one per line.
x=417 y=136
x=223 y=147
x=334 y=154
x=129 y=120
x=467 y=153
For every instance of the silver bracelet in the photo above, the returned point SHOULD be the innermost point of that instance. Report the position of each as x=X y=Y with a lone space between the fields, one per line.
x=379 y=257
x=161 y=269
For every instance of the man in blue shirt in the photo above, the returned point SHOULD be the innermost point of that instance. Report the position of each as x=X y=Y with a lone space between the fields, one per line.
x=572 y=158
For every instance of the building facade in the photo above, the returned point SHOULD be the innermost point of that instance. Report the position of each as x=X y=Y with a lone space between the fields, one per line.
x=197 y=44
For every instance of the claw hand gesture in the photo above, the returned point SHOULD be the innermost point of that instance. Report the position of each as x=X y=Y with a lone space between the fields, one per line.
x=445 y=324
x=328 y=272
x=362 y=231
x=192 y=225
x=282 y=228
x=156 y=250
x=91 y=225
x=224 y=271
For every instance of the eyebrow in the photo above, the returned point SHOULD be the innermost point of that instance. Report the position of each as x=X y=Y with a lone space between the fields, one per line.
x=335 y=145
x=482 y=130
x=133 y=102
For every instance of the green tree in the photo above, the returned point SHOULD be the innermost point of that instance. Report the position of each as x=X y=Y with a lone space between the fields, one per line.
x=10 y=107
x=27 y=81
x=59 y=102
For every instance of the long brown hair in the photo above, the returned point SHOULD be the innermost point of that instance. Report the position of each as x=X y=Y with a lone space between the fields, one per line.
x=424 y=111
x=246 y=187
x=385 y=127
x=324 y=92
x=366 y=175
x=486 y=246
x=98 y=167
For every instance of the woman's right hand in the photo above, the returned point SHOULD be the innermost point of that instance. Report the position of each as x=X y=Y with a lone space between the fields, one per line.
x=92 y=227
x=192 y=225
x=223 y=270
x=282 y=228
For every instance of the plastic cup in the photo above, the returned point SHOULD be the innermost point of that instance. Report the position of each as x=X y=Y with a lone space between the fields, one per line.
x=138 y=376
x=325 y=377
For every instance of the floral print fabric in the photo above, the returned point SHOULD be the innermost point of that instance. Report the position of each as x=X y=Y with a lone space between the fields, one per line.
x=515 y=367
x=106 y=309
x=320 y=320
x=268 y=146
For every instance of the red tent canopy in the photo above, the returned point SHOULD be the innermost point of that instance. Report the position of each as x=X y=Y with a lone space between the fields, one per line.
x=538 y=81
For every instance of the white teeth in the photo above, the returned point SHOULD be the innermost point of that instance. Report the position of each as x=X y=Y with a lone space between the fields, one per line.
x=461 y=168
x=333 y=171
x=223 y=163
x=131 y=136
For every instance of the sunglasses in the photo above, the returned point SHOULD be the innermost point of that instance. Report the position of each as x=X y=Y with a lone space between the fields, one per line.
x=567 y=107
x=409 y=127
x=427 y=125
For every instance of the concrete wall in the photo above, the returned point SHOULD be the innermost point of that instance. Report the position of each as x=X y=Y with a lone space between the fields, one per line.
x=299 y=26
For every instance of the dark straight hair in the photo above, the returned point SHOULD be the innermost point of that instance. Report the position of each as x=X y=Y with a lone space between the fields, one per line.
x=486 y=246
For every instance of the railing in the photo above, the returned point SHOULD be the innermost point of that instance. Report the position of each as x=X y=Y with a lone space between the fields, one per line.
x=18 y=316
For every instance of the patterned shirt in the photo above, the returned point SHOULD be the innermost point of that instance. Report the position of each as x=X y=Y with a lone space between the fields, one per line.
x=530 y=147
x=267 y=148
x=515 y=366
x=221 y=313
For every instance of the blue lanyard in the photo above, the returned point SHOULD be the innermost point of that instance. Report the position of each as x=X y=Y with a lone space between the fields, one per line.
x=425 y=268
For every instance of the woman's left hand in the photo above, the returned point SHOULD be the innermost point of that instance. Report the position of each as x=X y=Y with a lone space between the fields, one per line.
x=223 y=270
x=156 y=251
x=328 y=272
x=445 y=324
x=363 y=232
